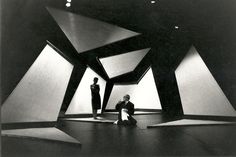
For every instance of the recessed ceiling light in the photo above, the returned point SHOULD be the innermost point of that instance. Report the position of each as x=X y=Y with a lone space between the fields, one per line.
x=153 y=2
x=69 y=1
x=176 y=27
x=68 y=4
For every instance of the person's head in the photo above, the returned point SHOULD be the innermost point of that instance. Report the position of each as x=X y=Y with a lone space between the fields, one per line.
x=95 y=80
x=126 y=97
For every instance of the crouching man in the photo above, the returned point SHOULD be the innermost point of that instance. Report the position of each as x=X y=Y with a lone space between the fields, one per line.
x=126 y=110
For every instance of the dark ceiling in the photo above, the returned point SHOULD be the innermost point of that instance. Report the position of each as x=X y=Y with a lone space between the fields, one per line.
x=209 y=25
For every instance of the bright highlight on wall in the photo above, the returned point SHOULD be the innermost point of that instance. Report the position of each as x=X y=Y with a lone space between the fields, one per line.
x=200 y=94
x=144 y=95
x=38 y=96
x=81 y=101
x=123 y=63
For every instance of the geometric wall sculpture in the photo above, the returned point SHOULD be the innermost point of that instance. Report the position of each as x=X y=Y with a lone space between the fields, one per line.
x=144 y=95
x=199 y=92
x=122 y=63
x=86 y=33
x=39 y=94
x=81 y=101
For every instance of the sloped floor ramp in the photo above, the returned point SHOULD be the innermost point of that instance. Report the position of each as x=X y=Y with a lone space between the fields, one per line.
x=190 y=122
x=91 y=119
x=49 y=134
x=138 y=112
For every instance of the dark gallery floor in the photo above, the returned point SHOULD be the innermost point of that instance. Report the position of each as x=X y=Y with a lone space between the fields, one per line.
x=106 y=139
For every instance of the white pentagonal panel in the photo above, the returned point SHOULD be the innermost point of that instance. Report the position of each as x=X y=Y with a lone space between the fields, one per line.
x=87 y=33
x=39 y=94
x=123 y=63
x=144 y=94
x=81 y=101
x=200 y=94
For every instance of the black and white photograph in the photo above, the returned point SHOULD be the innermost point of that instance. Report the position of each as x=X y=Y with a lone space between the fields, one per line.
x=118 y=78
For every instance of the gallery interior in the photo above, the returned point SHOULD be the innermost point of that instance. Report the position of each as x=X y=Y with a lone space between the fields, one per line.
x=175 y=58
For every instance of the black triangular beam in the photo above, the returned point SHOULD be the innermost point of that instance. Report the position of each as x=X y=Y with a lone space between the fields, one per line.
x=75 y=79
x=107 y=94
x=167 y=87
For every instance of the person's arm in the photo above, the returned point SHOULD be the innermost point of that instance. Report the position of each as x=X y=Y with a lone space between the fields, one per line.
x=98 y=88
x=91 y=88
x=118 y=105
x=94 y=89
x=131 y=109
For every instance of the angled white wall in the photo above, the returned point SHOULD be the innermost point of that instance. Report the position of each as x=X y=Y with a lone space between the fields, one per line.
x=87 y=33
x=118 y=91
x=144 y=95
x=81 y=101
x=38 y=96
x=200 y=94
x=122 y=63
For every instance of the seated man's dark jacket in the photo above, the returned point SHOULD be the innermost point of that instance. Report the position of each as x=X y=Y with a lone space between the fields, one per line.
x=129 y=106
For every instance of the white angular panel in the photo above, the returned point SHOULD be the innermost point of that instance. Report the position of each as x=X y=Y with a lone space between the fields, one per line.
x=52 y=134
x=200 y=94
x=144 y=95
x=118 y=91
x=39 y=94
x=87 y=33
x=191 y=122
x=81 y=101
x=98 y=120
x=136 y=112
x=123 y=63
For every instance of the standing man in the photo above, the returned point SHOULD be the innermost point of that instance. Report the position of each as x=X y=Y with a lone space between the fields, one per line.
x=96 y=100
x=126 y=109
